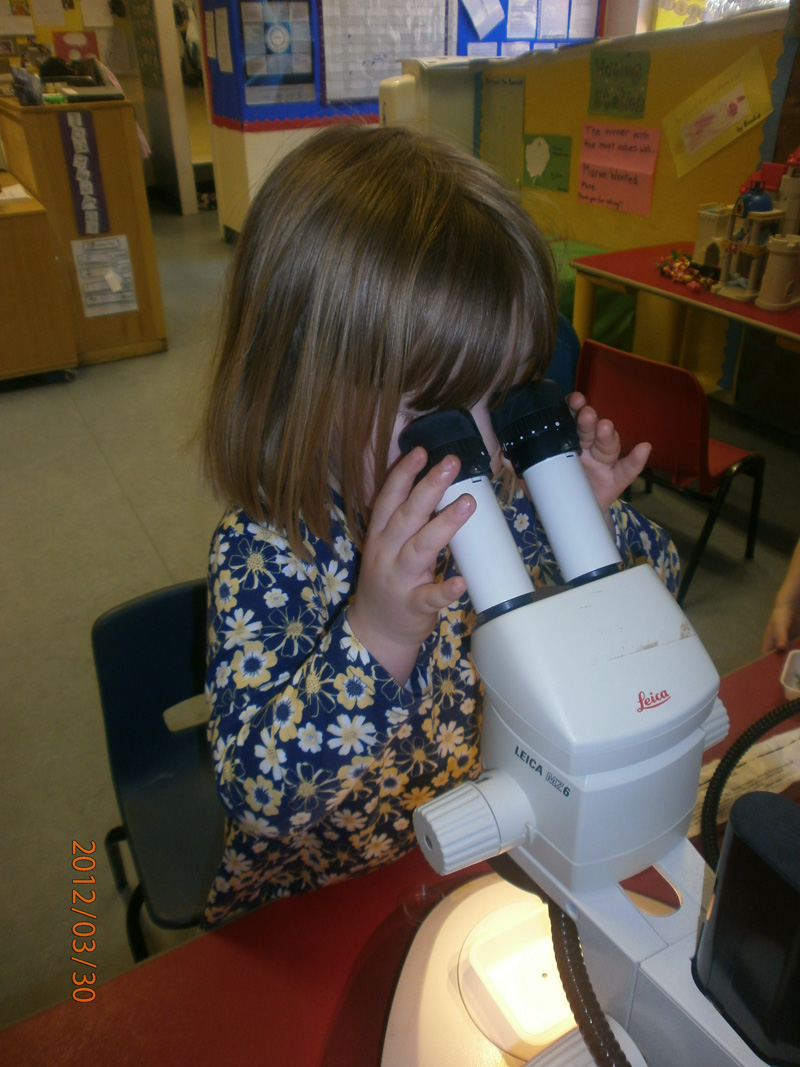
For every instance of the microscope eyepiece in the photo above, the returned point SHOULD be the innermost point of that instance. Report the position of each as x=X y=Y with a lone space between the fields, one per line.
x=483 y=548
x=535 y=423
x=539 y=435
x=448 y=433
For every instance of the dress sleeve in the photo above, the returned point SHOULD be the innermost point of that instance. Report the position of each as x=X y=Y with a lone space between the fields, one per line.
x=641 y=541
x=638 y=541
x=298 y=709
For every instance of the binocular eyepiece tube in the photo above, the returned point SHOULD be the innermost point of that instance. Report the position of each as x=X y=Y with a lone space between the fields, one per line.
x=538 y=436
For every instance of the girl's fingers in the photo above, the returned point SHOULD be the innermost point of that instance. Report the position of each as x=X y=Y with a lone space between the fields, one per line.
x=604 y=440
x=397 y=487
x=421 y=550
x=437 y=595
x=413 y=513
x=633 y=464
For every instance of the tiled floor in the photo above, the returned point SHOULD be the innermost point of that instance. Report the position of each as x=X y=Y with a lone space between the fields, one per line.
x=100 y=502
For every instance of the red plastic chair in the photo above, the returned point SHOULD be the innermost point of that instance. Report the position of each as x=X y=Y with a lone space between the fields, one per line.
x=666 y=405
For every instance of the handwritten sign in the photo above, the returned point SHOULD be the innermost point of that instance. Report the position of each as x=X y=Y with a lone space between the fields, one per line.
x=617 y=167
x=547 y=161
x=618 y=83
x=725 y=108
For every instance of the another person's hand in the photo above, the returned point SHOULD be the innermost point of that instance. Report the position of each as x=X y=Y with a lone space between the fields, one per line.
x=397 y=601
x=784 y=622
x=609 y=474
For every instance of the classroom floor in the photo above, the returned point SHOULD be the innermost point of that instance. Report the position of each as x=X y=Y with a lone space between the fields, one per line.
x=101 y=501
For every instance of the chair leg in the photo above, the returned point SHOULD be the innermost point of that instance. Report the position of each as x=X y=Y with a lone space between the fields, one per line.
x=702 y=540
x=756 y=470
x=112 y=842
x=133 y=923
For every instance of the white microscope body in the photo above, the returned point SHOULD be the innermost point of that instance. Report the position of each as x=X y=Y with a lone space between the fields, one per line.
x=599 y=703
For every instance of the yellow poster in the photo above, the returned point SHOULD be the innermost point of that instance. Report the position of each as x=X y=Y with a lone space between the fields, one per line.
x=718 y=113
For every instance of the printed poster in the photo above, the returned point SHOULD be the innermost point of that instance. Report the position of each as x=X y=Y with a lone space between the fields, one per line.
x=105 y=276
x=365 y=43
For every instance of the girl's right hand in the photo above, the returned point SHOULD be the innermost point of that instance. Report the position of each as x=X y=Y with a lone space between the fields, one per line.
x=397 y=601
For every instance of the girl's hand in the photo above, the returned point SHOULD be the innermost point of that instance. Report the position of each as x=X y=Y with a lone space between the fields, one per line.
x=609 y=475
x=397 y=602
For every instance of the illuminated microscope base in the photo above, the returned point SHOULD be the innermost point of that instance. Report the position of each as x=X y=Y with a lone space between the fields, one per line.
x=452 y=1005
x=443 y=1013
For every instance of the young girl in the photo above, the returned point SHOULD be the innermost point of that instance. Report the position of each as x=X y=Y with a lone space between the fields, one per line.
x=379 y=275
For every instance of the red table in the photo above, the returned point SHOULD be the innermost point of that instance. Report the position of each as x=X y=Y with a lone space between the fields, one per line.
x=635 y=271
x=306 y=981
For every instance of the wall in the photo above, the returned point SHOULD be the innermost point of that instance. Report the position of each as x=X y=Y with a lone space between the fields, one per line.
x=138 y=43
x=554 y=92
x=682 y=61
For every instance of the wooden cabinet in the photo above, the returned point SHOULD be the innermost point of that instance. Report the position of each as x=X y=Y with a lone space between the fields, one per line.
x=36 y=333
x=40 y=156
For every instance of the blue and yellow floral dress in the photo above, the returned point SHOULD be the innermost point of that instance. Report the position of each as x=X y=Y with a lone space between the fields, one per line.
x=321 y=757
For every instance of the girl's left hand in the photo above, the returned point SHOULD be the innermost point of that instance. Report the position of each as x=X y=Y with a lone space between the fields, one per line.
x=609 y=475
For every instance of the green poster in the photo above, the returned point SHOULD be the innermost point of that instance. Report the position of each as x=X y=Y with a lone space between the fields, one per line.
x=619 y=83
x=547 y=159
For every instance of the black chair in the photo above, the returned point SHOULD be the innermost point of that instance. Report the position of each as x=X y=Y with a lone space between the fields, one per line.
x=149 y=655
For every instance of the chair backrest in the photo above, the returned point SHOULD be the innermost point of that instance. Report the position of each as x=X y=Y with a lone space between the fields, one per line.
x=149 y=655
x=649 y=401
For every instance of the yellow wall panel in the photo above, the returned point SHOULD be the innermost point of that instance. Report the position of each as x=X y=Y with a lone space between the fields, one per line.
x=682 y=61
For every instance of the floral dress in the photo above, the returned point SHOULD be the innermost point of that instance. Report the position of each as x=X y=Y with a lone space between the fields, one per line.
x=320 y=756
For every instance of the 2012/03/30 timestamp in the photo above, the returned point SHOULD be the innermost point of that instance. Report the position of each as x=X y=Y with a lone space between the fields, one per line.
x=83 y=931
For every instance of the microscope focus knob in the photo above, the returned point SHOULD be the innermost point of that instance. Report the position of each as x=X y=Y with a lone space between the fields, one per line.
x=473 y=822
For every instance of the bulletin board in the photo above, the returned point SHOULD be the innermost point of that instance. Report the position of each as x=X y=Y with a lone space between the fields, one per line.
x=305 y=62
x=275 y=65
x=622 y=103
x=31 y=30
x=264 y=66
x=512 y=27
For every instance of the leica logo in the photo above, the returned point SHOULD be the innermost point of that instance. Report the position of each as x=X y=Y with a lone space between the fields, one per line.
x=652 y=700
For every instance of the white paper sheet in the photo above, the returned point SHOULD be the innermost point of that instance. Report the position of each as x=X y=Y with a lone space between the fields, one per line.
x=364 y=43
x=105 y=276
x=553 y=18
x=12 y=24
x=14 y=192
x=211 y=36
x=224 y=56
x=771 y=765
x=47 y=12
x=583 y=19
x=96 y=13
x=484 y=15
x=522 y=18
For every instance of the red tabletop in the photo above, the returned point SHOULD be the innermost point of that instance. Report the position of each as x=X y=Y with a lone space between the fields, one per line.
x=638 y=267
x=306 y=981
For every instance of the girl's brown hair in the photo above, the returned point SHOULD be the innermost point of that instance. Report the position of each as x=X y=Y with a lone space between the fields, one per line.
x=375 y=266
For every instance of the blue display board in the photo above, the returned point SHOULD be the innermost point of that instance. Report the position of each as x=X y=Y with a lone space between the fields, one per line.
x=536 y=24
x=265 y=66
x=265 y=60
